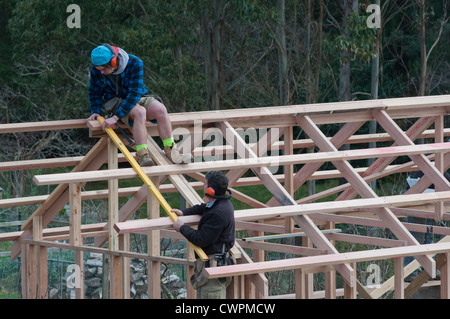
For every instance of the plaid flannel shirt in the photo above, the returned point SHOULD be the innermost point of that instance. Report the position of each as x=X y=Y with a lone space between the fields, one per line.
x=133 y=88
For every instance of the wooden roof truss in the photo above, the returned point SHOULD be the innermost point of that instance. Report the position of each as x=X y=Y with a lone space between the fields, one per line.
x=283 y=213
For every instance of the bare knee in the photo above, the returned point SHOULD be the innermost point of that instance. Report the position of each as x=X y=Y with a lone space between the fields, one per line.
x=156 y=110
x=138 y=114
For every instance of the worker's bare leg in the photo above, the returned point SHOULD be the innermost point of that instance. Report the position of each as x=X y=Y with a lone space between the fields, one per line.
x=157 y=111
x=139 y=129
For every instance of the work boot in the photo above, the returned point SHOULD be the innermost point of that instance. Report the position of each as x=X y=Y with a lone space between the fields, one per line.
x=143 y=158
x=173 y=153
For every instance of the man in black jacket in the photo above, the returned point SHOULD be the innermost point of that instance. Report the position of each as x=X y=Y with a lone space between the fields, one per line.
x=215 y=233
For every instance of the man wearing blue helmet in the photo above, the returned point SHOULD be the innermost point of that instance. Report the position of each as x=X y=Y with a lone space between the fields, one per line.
x=116 y=87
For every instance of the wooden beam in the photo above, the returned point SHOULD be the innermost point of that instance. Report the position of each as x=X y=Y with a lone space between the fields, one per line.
x=326 y=260
x=43 y=126
x=439 y=161
x=401 y=138
x=404 y=107
x=106 y=251
x=288 y=249
x=399 y=284
x=285 y=199
x=380 y=164
x=75 y=236
x=253 y=163
x=365 y=191
x=422 y=278
x=60 y=196
x=445 y=276
x=309 y=168
x=319 y=208
x=153 y=246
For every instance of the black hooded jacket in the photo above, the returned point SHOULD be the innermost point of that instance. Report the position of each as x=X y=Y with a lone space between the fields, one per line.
x=216 y=227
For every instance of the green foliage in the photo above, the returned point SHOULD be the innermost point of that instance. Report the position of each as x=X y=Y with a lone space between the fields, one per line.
x=361 y=41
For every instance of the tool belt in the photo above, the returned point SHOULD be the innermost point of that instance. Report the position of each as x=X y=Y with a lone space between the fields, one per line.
x=199 y=279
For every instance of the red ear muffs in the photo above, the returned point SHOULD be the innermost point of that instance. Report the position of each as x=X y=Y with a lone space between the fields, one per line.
x=115 y=53
x=210 y=192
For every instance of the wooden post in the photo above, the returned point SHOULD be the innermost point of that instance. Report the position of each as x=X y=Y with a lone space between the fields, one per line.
x=349 y=291
x=75 y=236
x=153 y=246
x=116 y=262
x=31 y=273
x=190 y=255
x=24 y=271
x=399 y=283
x=308 y=277
x=300 y=284
x=445 y=277
x=439 y=161
x=41 y=258
x=289 y=173
x=124 y=245
x=330 y=276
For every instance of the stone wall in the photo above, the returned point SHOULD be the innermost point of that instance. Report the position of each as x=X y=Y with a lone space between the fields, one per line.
x=171 y=285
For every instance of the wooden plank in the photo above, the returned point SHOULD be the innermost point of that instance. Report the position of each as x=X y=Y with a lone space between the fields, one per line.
x=287 y=235
x=92 y=161
x=365 y=191
x=381 y=164
x=284 y=198
x=165 y=205
x=393 y=169
x=366 y=240
x=60 y=196
x=39 y=270
x=153 y=247
x=401 y=138
x=113 y=200
x=289 y=173
x=422 y=278
x=259 y=149
x=43 y=126
x=445 y=277
x=282 y=248
x=75 y=214
x=326 y=260
x=75 y=235
x=254 y=163
x=399 y=284
x=409 y=107
x=142 y=225
x=106 y=251
x=227 y=115
x=308 y=169
x=439 y=160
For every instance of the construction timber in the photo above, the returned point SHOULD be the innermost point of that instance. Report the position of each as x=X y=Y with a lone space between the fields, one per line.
x=237 y=141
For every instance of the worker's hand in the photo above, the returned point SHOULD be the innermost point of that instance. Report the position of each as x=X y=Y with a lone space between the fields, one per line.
x=177 y=225
x=109 y=122
x=93 y=117
x=178 y=212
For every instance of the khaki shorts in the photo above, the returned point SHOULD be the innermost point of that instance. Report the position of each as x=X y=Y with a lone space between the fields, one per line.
x=144 y=101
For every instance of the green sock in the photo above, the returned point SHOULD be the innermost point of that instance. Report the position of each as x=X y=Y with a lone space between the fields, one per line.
x=168 y=142
x=138 y=147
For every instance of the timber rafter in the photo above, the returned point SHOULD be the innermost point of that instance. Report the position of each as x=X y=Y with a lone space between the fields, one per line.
x=238 y=142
